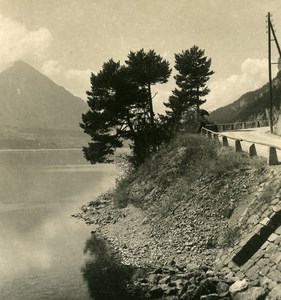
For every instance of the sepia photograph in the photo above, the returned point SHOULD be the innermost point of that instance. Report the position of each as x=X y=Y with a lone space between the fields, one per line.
x=140 y=149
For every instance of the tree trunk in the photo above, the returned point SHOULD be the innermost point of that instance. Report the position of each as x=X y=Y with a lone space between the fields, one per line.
x=151 y=112
x=197 y=104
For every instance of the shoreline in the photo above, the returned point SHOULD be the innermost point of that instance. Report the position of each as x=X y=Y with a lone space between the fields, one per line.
x=158 y=276
x=177 y=243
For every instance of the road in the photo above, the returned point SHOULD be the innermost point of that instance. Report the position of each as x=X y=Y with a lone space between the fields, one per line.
x=255 y=135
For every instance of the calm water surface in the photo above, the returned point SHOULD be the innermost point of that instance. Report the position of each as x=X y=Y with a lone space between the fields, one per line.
x=42 y=249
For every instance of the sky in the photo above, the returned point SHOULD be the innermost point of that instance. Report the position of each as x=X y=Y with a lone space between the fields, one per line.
x=68 y=39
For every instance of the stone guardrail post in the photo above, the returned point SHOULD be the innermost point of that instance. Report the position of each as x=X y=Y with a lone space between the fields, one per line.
x=238 y=147
x=272 y=156
x=252 y=150
x=224 y=141
x=216 y=138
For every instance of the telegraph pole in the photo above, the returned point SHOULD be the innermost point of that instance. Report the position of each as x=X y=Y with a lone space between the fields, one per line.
x=270 y=74
x=270 y=30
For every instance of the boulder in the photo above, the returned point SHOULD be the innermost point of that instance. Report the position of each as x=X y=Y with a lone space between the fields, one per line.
x=222 y=288
x=238 y=286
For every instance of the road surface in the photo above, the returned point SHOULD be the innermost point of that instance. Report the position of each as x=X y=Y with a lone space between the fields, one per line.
x=255 y=135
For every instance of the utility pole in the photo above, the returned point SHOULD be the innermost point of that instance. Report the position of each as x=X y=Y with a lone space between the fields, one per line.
x=270 y=75
x=270 y=30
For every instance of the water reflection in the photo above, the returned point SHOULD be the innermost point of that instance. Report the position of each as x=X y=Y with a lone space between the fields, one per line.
x=40 y=244
x=105 y=277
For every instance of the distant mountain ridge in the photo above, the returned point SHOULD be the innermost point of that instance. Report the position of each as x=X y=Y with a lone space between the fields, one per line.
x=33 y=108
x=252 y=105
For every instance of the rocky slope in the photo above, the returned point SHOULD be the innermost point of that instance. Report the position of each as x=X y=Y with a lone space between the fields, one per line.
x=179 y=210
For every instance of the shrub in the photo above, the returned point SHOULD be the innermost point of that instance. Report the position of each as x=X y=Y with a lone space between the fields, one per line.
x=188 y=156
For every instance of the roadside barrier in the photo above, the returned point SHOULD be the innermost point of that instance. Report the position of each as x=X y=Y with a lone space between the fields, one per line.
x=240 y=125
x=238 y=147
x=272 y=153
x=252 y=150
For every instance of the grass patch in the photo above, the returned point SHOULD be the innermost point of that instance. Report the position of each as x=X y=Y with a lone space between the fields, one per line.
x=230 y=236
x=188 y=157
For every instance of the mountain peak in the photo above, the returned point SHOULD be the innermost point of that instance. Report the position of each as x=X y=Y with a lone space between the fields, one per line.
x=29 y=99
x=22 y=65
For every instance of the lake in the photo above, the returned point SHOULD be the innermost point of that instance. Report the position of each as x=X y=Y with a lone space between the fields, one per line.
x=44 y=252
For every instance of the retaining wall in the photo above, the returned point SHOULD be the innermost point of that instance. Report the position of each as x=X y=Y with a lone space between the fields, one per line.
x=256 y=255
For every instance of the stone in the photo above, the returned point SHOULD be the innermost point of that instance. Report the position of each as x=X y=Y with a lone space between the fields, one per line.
x=253 y=272
x=278 y=230
x=240 y=275
x=252 y=150
x=264 y=262
x=264 y=271
x=279 y=267
x=247 y=265
x=238 y=286
x=271 y=248
x=254 y=293
x=276 y=257
x=210 y=273
x=253 y=283
x=265 y=221
x=272 y=156
x=165 y=280
x=273 y=237
x=275 y=293
x=156 y=292
x=278 y=240
x=179 y=283
x=238 y=147
x=264 y=245
x=258 y=255
x=172 y=291
x=267 y=283
x=222 y=288
x=152 y=278
x=231 y=265
x=275 y=276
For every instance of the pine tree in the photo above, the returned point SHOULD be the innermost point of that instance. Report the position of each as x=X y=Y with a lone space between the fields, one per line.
x=147 y=69
x=193 y=74
x=120 y=103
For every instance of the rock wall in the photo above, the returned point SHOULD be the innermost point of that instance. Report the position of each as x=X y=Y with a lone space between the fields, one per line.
x=256 y=255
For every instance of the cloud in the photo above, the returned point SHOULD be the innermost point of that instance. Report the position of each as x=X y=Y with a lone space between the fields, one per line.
x=254 y=74
x=51 y=68
x=19 y=43
x=74 y=80
x=78 y=81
